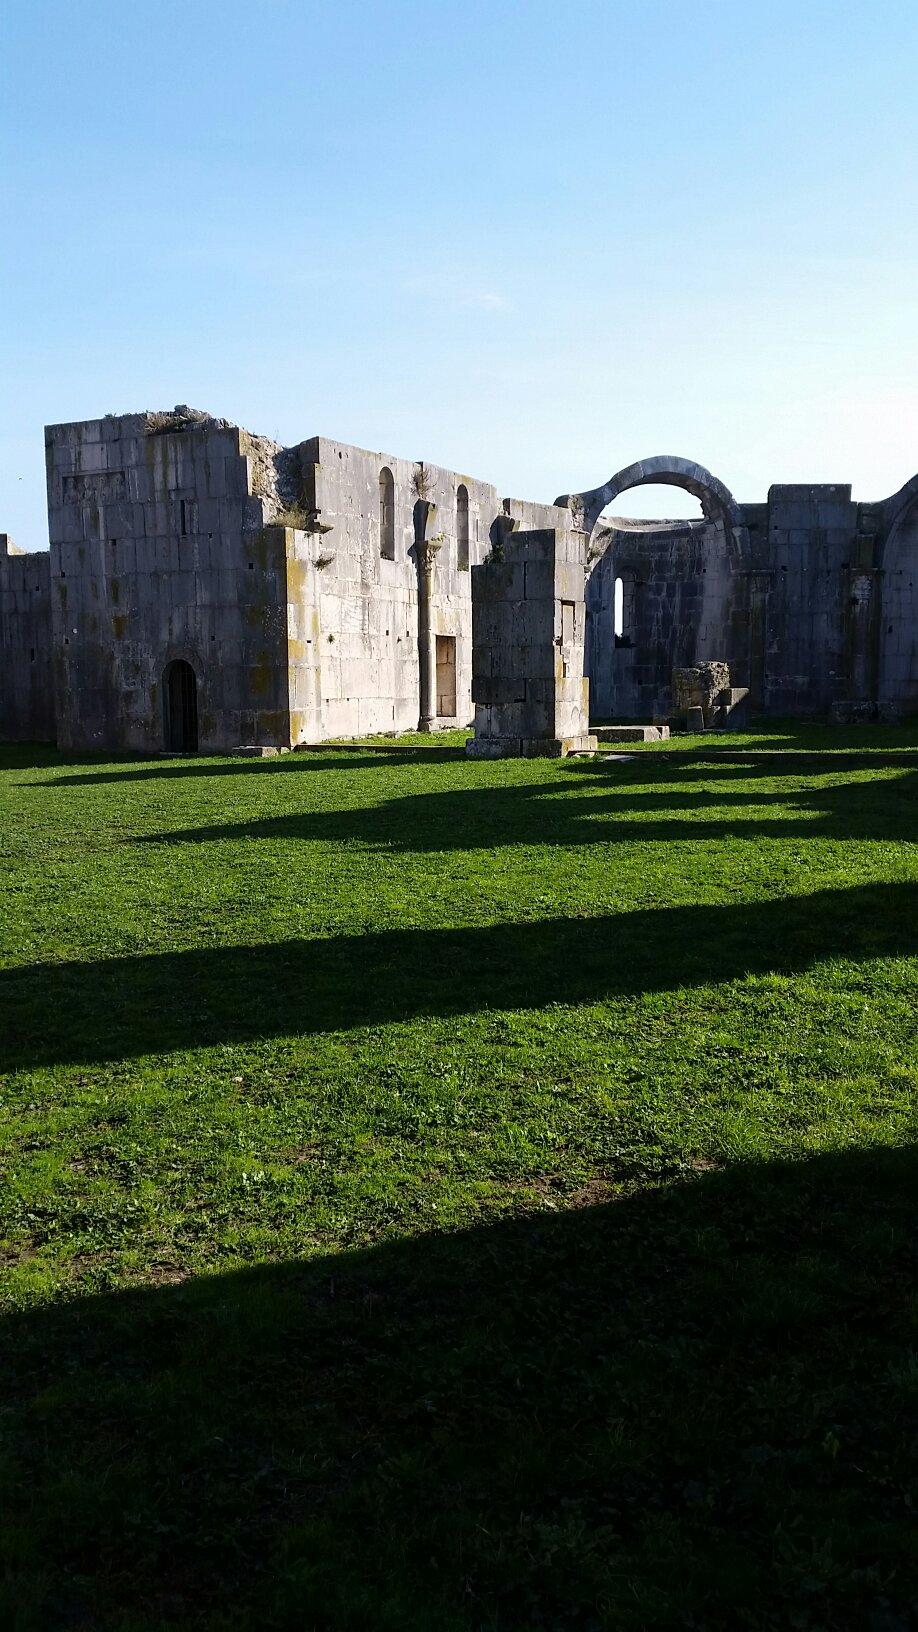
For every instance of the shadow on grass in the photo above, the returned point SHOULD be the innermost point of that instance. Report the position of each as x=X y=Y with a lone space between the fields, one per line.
x=323 y=756
x=591 y=803
x=179 y=1000
x=687 y=1409
x=799 y=746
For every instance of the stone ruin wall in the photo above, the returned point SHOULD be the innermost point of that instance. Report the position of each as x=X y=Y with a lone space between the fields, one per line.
x=681 y=606
x=816 y=611
x=181 y=535
x=353 y=620
x=529 y=626
x=178 y=536
x=26 y=680
x=158 y=552
x=881 y=628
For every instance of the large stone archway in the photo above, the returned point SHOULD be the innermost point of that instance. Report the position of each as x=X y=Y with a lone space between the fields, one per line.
x=683 y=587
x=667 y=470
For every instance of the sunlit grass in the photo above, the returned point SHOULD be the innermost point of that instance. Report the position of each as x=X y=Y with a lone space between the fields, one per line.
x=257 y=1012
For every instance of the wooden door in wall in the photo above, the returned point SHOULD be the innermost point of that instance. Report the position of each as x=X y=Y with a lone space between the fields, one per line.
x=446 y=677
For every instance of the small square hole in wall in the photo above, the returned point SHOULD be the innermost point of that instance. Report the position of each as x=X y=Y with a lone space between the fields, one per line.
x=251 y=566
x=31 y=654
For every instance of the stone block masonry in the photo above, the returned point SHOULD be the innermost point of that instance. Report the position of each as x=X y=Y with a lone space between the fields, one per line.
x=207 y=589
x=704 y=699
x=160 y=557
x=810 y=598
x=26 y=680
x=273 y=594
x=528 y=629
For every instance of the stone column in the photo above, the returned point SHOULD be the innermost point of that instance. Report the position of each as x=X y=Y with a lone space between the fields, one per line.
x=425 y=550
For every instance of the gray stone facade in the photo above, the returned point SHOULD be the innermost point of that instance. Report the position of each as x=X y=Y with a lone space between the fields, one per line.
x=811 y=598
x=528 y=631
x=178 y=540
x=26 y=679
x=206 y=588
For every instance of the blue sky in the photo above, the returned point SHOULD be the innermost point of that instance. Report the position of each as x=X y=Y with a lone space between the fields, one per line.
x=532 y=242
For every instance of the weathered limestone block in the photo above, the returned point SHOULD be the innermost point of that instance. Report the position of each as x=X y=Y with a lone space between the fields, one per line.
x=528 y=629
x=705 y=700
x=631 y=733
x=699 y=686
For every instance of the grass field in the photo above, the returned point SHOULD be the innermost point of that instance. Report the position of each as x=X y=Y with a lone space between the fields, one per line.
x=465 y=1196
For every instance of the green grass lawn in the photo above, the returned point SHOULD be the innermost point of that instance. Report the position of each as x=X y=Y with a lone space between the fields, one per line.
x=457 y=1195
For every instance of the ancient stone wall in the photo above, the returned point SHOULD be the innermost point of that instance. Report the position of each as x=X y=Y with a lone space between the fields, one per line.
x=682 y=601
x=812 y=600
x=353 y=619
x=180 y=537
x=886 y=617
x=159 y=553
x=26 y=683
x=529 y=623
x=805 y=557
x=324 y=590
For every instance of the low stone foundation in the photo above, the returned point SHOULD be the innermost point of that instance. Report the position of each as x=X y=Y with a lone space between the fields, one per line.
x=529 y=747
x=630 y=733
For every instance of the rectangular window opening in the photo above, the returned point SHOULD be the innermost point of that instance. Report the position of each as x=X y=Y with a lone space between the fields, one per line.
x=446 y=677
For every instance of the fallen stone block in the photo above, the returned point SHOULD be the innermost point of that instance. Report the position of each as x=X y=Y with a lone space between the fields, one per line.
x=630 y=733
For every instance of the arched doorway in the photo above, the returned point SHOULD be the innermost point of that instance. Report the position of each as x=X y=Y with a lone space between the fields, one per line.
x=180 y=707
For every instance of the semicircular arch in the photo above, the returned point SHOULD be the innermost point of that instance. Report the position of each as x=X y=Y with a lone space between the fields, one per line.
x=668 y=470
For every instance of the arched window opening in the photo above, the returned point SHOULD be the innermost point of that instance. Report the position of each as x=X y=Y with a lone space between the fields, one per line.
x=623 y=611
x=386 y=514
x=462 y=527
x=180 y=708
